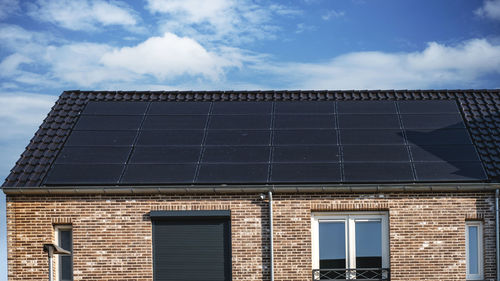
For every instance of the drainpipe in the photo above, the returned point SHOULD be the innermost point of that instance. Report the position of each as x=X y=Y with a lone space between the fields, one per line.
x=271 y=233
x=497 y=215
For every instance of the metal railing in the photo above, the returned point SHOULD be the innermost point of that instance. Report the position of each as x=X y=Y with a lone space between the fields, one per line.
x=360 y=274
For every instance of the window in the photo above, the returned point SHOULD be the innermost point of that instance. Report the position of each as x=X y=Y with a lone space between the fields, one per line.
x=474 y=249
x=64 y=239
x=350 y=246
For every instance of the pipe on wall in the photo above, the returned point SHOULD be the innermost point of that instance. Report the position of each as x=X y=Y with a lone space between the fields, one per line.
x=271 y=234
x=497 y=217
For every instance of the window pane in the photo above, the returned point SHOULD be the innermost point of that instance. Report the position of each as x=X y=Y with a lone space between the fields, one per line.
x=473 y=250
x=66 y=261
x=332 y=245
x=368 y=244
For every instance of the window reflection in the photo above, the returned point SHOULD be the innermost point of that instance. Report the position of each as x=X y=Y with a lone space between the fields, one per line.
x=332 y=245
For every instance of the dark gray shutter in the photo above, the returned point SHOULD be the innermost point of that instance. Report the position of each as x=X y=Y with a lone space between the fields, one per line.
x=192 y=245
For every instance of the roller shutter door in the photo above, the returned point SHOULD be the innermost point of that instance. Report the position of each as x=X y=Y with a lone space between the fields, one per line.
x=192 y=246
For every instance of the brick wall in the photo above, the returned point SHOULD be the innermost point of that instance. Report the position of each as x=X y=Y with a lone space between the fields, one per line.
x=112 y=234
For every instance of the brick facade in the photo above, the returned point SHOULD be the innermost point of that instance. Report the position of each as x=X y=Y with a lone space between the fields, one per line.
x=112 y=233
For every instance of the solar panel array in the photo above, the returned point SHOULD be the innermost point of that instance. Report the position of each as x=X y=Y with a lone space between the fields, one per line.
x=131 y=143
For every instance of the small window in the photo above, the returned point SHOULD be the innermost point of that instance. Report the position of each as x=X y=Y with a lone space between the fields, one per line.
x=64 y=239
x=350 y=246
x=474 y=249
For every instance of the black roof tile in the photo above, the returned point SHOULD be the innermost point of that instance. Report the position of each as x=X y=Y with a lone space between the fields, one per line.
x=480 y=109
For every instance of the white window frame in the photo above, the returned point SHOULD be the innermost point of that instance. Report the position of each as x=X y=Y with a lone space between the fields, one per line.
x=479 y=225
x=58 y=228
x=350 y=219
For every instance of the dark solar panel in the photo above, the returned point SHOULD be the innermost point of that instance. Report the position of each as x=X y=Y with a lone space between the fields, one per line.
x=170 y=137
x=108 y=123
x=368 y=121
x=449 y=171
x=236 y=154
x=377 y=153
x=422 y=107
x=101 y=138
x=238 y=137
x=304 y=121
x=240 y=122
x=372 y=136
x=432 y=121
x=94 y=154
x=306 y=154
x=179 y=108
x=242 y=108
x=233 y=173
x=116 y=108
x=61 y=174
x=175 y=122
x=366 y=107
x=378 y=171
x=165 y=154
x=267 y=142
x=313 y=107
x=306 y=137
x=310 y=172
x=159 y=173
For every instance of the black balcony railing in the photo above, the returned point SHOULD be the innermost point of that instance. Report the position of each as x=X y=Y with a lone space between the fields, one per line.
x=360 y=274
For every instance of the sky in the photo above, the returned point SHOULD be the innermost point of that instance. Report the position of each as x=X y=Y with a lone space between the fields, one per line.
x=48 y=46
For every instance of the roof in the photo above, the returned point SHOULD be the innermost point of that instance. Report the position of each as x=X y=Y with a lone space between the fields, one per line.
x=479 y=109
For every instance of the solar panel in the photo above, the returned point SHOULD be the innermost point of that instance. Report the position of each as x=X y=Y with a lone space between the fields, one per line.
x=377 y=153
x=165 y=154
x=304 y=121
x=236 y=154
x=233 y=173
x=311 y=172
x=312 y=107
x=306 y=154
x=175 y=122
x=238 y=137
x=159 y=173
x=367 y=107
x=116 y=108
x=368 y=121
x=108 y=123
x=101 y=138
x=240 y=122
x=94 y=154
x=378 y=171
x=62 y=174
x=305 y=136
x=125 y=143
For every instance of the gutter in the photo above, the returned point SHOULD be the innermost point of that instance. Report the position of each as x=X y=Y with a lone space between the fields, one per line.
x=250 y=189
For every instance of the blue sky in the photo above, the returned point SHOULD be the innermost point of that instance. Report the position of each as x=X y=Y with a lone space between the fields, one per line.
x=50 y=46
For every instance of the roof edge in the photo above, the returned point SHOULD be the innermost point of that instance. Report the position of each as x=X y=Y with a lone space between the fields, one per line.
x=245 y=189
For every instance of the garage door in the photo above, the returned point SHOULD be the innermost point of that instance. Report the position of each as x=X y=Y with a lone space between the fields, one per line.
x=191 y=245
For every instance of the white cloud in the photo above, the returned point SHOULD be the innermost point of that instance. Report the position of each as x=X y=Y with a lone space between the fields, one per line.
x=85 y=15
x=10 y=64
x=8 y=7
x=157 y=59
x=434 y=67
x=490 y=9
x=302 y=27
x=168 y=56
x=21 y=113
x=332 y=14
x=236 y=21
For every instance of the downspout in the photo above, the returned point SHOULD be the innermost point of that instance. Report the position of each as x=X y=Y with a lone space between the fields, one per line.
x=271 y=233
x=497 y=215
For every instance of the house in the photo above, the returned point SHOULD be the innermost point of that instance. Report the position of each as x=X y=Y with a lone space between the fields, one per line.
x=260 y=185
